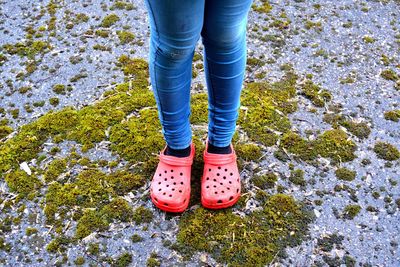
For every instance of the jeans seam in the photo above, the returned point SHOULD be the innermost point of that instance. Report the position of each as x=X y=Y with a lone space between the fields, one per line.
x=212 y=89
x=155 y=58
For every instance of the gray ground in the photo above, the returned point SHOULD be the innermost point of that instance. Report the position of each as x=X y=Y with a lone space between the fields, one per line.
x=371 y=238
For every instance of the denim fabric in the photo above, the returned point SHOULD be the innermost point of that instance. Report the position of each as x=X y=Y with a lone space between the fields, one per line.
x=175 y=28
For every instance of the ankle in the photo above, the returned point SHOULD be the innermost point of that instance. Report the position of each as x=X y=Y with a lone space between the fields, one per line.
x=219 y=150
x=181 y=153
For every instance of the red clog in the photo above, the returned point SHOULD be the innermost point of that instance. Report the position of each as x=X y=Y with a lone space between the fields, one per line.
x=170 y=186
x=220 y=184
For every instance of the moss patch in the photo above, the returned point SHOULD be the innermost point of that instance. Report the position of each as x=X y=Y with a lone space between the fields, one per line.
x=389 y=75
x=55 y=168
x=265 y=7
x=297 y=177
x=386 y=151
x=92 y=190
x=351 y=211
x=127 y=118
x=392 y=115
x=332 y=144
x=265 y=181
x=249 y=241
x=315 y=93
x=359 y=129
x=345 y=174
x=265 y=107
x=4 y=129
x=123 y=260
x=125 y=36
x=109 y=20
x=20 y=182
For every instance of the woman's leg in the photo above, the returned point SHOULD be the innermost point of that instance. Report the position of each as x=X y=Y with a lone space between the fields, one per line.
x=175 y=27
x=224 y=40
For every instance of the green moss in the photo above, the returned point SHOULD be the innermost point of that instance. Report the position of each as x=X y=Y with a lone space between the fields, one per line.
x=90 y=221
x=4 y=246
x=336 y=145
x=20 y=182
x=297 y=177
x=54 y=169
x=327 y=243
x=313 y=25
x=14 y=113
x=253 y=240
x=24 y=89
x=345 y=174
x=152 y=262
x=124 y=181
x=265 y=7
x=332 y=144
x=54 y=101
x=389 y=74
x=58 y=244
x=136 y=68
x=127 y=117
x=122 y=5
x=3 y=122
x=199 y=108
x=315 y=93
x=52 y=7
x=398 y=203
x=351 y=211
x=360 y=129
x=80 y=18
x=123 y=260
x=5 y=130
x=265 y=181
x=136 y=238
x=138 y=137
x=102 y=33
x=347 y=80
x=109 y=20
x=3 y=59
x=28 y=49
x=376 y=194
x=295 y=144
x=117 y=209
x=349 y=261
x=386 y=151
x=264 y=109
x=30 y=231
x=125 y=37
x=393 y=115
x=368 y=39
x=279 y=23
x=246 y=152
x=94 y=249
x=39 y=103
x=79 y=260
x=101 y=47
x=255 y=62
x=318 y=202
x=91 y=189
x=142 y=215
x=78 y=77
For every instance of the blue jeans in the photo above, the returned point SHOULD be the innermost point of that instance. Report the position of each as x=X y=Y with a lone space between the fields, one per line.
x=175 y=28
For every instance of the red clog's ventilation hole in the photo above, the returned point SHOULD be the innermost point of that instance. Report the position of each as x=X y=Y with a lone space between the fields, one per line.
x=217 y=183
x=169 y=186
